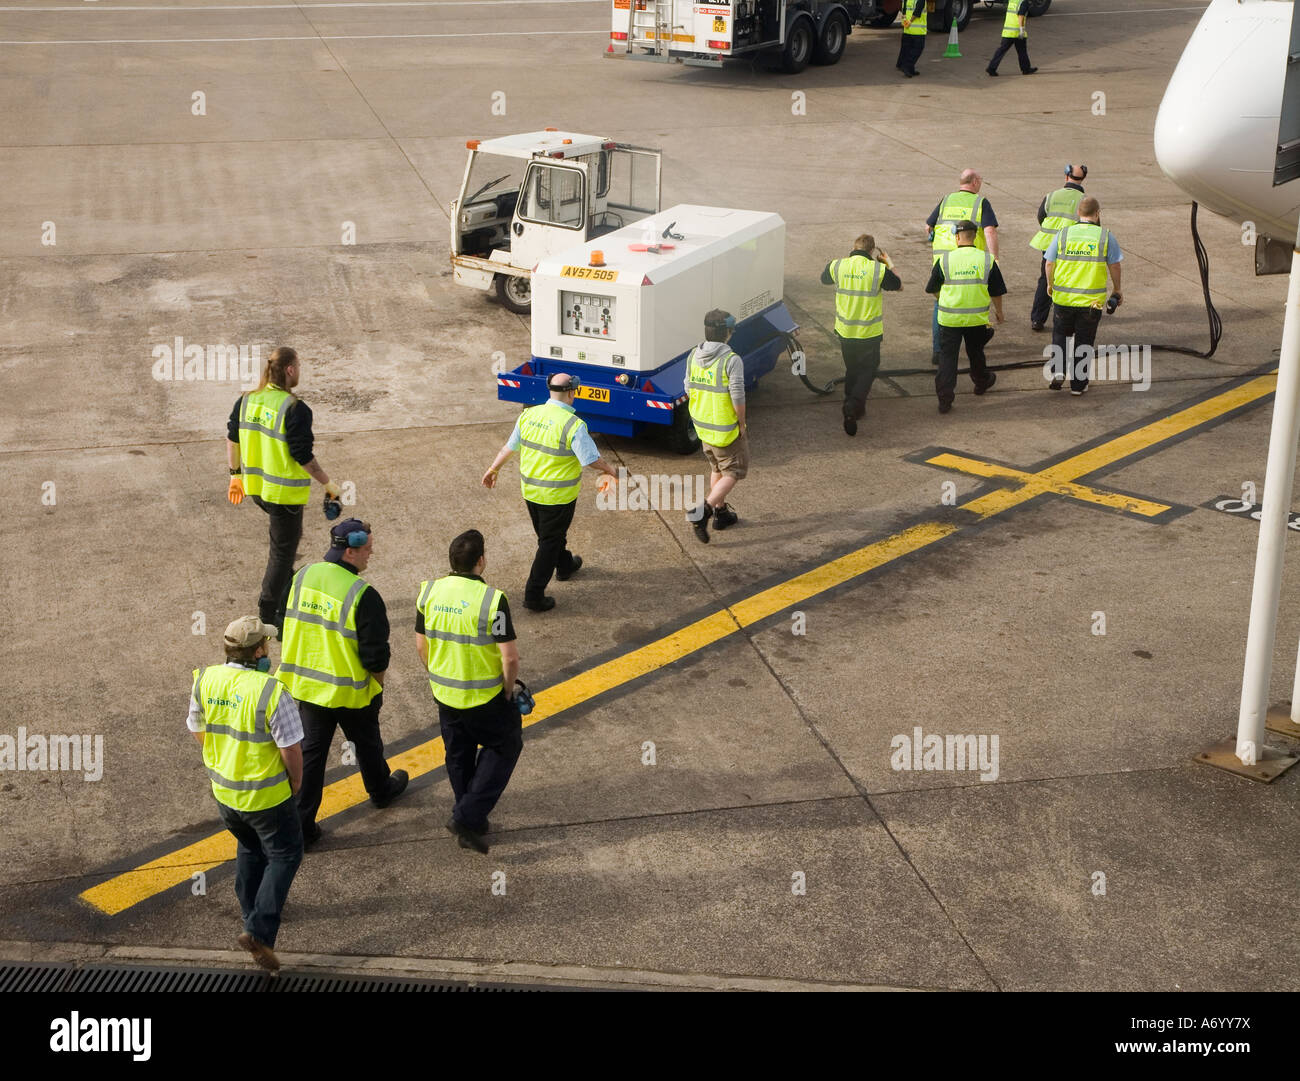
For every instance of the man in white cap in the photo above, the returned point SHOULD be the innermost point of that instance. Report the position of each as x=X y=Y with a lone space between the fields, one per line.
x=251 y=734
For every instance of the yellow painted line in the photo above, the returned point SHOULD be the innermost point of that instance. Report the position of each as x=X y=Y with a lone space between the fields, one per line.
x=129 y=888
x=1041 y=486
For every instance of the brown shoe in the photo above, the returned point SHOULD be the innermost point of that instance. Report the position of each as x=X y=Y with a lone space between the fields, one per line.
x=262 y=953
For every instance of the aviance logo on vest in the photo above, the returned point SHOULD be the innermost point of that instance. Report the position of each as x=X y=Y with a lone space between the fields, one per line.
x=708 y=395
x=1079 y=271
x=959 y=206
x=239 y=751
x=859 y=308
x=319 y=662
x=1060 y=209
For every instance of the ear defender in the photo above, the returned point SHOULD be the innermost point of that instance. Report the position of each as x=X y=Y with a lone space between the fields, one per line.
x=357 y=538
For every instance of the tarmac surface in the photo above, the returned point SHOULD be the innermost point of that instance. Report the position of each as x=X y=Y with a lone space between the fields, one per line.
x=774 y=765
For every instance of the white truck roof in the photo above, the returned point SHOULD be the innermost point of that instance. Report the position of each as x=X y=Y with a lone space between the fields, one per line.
x=531 y=144
x=707 y=232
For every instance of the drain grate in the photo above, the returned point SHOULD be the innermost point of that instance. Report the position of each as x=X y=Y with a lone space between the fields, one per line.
x=112 y=978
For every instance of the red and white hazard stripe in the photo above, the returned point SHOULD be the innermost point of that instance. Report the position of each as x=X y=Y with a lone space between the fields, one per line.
x=508 y=382
x=659 y=405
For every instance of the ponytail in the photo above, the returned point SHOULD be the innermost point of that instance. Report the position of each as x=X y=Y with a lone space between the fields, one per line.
x=277 y=368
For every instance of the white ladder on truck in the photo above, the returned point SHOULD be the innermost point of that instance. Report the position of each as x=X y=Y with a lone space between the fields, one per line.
x=649 y=27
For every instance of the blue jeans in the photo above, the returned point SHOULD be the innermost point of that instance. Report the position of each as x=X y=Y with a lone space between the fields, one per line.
x=270 y=849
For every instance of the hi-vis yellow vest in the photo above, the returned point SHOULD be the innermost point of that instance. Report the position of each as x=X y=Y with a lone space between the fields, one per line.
x=269 y=469
x=859 y=308
x=954 y=208
x=549 y=470
x=1079 y=270
x=319 y=662
x=465 y=667
x=708 y=395
x=1011 y=24
x=1060 y=209
x=964 y=296
x=239 y=751
x=920 y=24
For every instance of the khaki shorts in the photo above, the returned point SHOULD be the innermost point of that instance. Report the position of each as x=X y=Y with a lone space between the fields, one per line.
x=731 y=460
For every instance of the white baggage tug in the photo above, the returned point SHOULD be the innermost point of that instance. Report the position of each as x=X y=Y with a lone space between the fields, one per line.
x=623 y=311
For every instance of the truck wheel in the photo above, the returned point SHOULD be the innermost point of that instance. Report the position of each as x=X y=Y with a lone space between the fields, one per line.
x=1039 y=7
x=682 y=436
x=947 y=12
x=832 y=39
x=515 y=292
x=799 y=42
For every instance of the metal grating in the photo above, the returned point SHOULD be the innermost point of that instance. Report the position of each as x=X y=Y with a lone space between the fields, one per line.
x=113 y=978
x=25 y=976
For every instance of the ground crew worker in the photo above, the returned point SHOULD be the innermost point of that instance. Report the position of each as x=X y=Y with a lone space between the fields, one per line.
x=269 y=447
x=964 y=204
x=1057 y=210
x=466 y=642
x=334 y=659
x=1015 y=31
x=251 y=734
x=859 y=319
x=916 y=24
x=715 y=391
x=966 y=281
x=1076 y=265
x=554 y=446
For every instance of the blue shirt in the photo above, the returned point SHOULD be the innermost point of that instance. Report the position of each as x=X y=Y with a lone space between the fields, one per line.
x=583 y=445
x=1113 y=253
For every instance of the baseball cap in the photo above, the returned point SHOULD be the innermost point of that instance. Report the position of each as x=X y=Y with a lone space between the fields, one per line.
x=965 y=226
x=248 y=631
x=339 y=537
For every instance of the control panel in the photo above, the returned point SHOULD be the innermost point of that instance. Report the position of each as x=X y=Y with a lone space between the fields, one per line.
x=587 y=315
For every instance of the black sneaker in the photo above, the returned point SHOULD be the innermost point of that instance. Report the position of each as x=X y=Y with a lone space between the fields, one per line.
x=699 y=519
x=724 y=517
x=945 y=407
x=466 y=837
x=1037 y=327
x=1082 y=390
x=1057 y=383
x=577 y=566
x=397 y=781
x=544 y=605
x=850 y=425
x=990 y=71
x=993 y=378
x=1028 y=71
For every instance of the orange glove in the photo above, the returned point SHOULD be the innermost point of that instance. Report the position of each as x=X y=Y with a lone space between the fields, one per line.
x=235 y=493
x=606 y=483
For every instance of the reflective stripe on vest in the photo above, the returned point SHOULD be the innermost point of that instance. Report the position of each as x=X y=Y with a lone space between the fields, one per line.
x=954 y=208
x=1011 y=24
x=708 y=393
x=319 y=661
x=549 y=471
x=1060 y=209
x=964 y=297
x=269 y=469
x=239 y=751
x=465 y=666
x=859 y=309
x=1079 y=270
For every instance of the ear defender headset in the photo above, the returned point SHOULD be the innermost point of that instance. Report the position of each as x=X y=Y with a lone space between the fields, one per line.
x=355 y=539
x=574 y=384
x=1069 y=171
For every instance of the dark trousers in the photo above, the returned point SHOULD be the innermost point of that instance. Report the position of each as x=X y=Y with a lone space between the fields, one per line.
x=551 y=524
x=361 y=728
x=861 y=362
x=1081 y=323
x=482 y=746
x=267 y=858
x=950 y=340
x=1042 y=302
x=286 y=532
x=909 y=52
x=1022 y=52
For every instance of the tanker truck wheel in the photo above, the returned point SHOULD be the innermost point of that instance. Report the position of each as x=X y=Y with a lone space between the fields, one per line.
x=800 y=39
x=832 y=39
x=682 y=436
x=515 y=292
